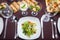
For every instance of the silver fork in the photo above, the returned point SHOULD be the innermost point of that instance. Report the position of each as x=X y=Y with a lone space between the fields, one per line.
x=52 y=29
x=15 y=36
x=56 y=35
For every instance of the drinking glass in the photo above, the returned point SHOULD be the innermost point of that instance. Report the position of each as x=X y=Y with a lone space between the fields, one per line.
x=24 y=8
x=48 y=15
x=6 y=13
x=35 y=13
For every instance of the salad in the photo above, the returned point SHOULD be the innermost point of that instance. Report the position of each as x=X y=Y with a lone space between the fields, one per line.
x=35 y=8
x=28 y=28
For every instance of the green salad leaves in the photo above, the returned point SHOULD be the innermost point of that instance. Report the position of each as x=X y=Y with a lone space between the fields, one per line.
x=28 y=28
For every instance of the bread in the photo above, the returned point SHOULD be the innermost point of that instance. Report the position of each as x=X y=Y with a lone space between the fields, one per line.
x=16 y=5
x=48 y=2
x=13 y=8
x=18 y=2
x=34 y=1
x=54 y=4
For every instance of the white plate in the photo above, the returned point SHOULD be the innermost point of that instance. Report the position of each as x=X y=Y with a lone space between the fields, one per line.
x=58 y=24
x=38 y=27
x=1 y=25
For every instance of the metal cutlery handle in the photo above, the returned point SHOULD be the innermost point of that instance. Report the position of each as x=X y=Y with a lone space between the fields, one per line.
x=5 y=27
x=42 y=29
x=15 y=29
x=55 y=30
x=42 y=34
x=52 y=29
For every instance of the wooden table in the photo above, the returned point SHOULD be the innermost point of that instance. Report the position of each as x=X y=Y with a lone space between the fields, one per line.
x=47 y=25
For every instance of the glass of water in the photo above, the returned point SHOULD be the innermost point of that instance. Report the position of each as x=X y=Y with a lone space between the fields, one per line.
x=6 y=13
x=48 y=15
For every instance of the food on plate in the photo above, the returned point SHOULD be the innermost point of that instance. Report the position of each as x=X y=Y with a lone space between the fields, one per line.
x=28 y=28
x=31 y=2
x=53 y=5
x=35 y=8
x=18 y=2
x=23 y=6
x=15 y=6
x=59 y=4
x=2 y=6
x=33 y=5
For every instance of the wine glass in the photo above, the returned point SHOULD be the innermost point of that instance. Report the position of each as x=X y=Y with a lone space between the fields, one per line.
x=35 y=9
x=24 y=8
x=6 y=13
x=34 y=13
x=48 y=15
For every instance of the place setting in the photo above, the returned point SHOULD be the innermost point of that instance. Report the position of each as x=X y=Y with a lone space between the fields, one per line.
x=6 y=10
x=30 y=27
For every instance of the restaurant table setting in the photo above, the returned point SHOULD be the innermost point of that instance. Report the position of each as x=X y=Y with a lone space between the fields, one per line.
x=30 y=19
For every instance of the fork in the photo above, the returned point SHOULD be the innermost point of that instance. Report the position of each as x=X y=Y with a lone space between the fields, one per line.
x=14 y=20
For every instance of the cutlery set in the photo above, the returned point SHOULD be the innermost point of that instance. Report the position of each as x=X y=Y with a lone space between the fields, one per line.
x=14 y=20
x=53 y=23
x=54 y=34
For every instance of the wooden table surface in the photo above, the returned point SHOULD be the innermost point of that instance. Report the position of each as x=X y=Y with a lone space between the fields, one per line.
x=47 y=25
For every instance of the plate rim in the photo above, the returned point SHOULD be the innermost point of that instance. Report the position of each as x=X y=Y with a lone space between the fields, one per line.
x=2 y=25
x=29 y=17
x=58 y=25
